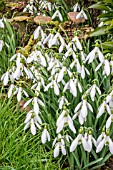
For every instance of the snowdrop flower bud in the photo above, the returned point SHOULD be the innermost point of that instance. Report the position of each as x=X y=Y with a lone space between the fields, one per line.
x=57 y=14
x=1 y=24
x=81 y=14
x=45 y=136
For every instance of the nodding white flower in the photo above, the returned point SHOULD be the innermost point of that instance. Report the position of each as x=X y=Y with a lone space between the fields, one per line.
x=59 y=145
x=101 y=136
x=61 y=74
x=68 y=138
x=35 y=102
x=1 y=45
x=102 y=108
x=53 y=84
x=10 y=91
x=92 y=90
x=76 y=7
x=47 y=5
x=39 y=44
x=94 y=54
x=38 y=32
x=45 y=136
x=72 y=86
x=58 y=39
x=81 y=14
x=71 y=45
x=19 y=91
x=1 y=24
x=48 y=38
x=77 y=43
x=77 y=64
x=109 y=120
x=90 y=139
x=37 y=56
x=31 y=1
x=83 y=56
x=63 y=120
x=80 y=139
x=70 y=52
x=62 y=101
x=81 y=110
x=109 y=97
x=19 y=58
x=106 y=140
x=83 y=71
x=57 y=14
x=30 y=8
x=33 y=120
x=5 y=78
x=106 y=65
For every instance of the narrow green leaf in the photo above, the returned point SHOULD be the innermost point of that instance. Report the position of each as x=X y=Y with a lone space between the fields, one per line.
x=99 y=6
x=93 y=162
x=97 y=167
x=98 y=31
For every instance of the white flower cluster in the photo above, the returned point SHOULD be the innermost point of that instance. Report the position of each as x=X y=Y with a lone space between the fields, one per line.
x=63 y=70
x=81 y=13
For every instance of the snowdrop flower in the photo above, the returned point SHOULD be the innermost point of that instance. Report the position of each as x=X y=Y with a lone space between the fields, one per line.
x=58 y=39
x=61 y=74
x=94 y=54
x=5 y=78
x=109 y=120
x=93 y=90
x=59 y=145
x=35 y=102
x=69 y=53
x=71 y=45
x=10 y=91
x=106 y=65
x=45 y=136
x=77 y=64
x=37 y=56
x=64 y=119
x=39 y=31
x=84 y=70
x=81 y=110
x=80 y=139
x=72 y=85
x=19 y=58
x=76 y=7
x=53 y=84
x=101 y=136
x=77 y=43
x=48 y=38
x=1 y=24
x=57 y=14
x=109 y=97
x=81 y=14
x=90 y=140
x=62 y=101
x=106 y=140
x=19 y=91
x=1 y=45
x=68 y=138
x=102 y=108
x=30 y=8
x=33 y=121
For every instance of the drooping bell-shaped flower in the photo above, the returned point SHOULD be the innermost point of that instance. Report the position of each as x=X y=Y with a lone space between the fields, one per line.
x=81 y=14
x=57 y=14
x=45 y=136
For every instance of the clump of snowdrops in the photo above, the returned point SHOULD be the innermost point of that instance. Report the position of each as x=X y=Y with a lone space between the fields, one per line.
x=70 y=95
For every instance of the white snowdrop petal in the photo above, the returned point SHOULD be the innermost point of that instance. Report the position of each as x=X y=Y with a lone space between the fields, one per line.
x=33 y=128
x=78 y=107
x=63 y=150
x=74 y=144
x=100 y=146
x=108 y=122
x=85 y=145
x=111 y=146
x=56 y=151
x=44 y=137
